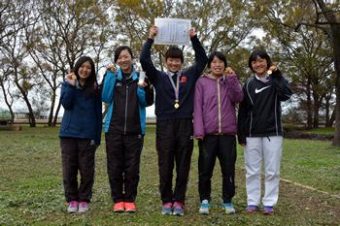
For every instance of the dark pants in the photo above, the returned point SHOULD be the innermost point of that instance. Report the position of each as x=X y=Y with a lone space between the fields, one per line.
x=123 y=160
x=224 y=148
x=174 y=145
x=78 y=154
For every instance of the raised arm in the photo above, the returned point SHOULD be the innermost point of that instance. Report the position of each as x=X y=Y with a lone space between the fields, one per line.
x=281 y=85
x=235 y=91
x=201 y=58
x=67 y=95
x=145 y=56
x=68 y=90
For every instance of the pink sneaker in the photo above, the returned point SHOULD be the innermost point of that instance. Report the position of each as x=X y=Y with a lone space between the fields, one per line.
x=83 y=207
x=178 y=209
x=167 y=208
x=72 y=207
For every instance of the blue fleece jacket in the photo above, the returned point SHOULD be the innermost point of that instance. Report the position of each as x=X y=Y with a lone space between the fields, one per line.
x=108 y=93
x=83 y=114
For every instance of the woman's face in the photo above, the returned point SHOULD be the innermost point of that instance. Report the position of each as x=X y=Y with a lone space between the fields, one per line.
x=217 y=66
x=84 y=70
x=124 y=61
x=259 y=66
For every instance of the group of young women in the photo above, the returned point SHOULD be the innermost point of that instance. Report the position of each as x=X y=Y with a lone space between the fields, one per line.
x=187 y=105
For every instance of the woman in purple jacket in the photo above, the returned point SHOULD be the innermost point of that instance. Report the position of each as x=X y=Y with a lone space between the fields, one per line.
x=216 y=95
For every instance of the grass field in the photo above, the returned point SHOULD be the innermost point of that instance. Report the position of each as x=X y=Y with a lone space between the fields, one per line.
x=31 y=191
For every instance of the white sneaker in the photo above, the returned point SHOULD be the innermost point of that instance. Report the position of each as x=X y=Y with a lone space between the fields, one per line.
x=72 y=207
x=83 y=207
x=204 y=208
x=229 y=208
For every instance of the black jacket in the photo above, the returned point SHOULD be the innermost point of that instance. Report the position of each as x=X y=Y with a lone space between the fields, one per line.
x=260 y=111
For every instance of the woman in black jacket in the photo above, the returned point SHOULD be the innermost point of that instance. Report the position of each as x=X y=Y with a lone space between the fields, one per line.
x=260 y=130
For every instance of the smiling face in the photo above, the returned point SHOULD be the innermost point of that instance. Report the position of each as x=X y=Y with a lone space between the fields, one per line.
x=217 y=66
x=84 y=71
x=259 y=66
x=124 y=61
x=173 y=64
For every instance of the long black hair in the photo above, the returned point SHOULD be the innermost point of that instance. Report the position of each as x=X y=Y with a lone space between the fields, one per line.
x=262 y=54
x=91 y=85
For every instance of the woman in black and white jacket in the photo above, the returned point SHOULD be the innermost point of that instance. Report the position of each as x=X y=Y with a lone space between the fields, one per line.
x=260 y=130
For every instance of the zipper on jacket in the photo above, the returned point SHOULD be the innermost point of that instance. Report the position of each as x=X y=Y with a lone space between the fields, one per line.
x=251 y=123
x=219 y=106
x=126 y=106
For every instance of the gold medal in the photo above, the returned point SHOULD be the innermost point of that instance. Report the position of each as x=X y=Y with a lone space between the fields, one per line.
x=176 y=105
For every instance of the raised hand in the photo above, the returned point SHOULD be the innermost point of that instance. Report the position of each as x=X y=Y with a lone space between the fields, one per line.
x=272 y=69
x=153 y=31
x=229 y=71
x=71 y=78
x=192 y=32
x=111 y=67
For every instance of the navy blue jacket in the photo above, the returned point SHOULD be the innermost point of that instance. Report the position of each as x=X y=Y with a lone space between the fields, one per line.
x=165 y=95
x=83 y=114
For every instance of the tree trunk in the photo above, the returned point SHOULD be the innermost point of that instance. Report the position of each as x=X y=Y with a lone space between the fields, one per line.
x=335 y=30
x=31 y=116
x=50 y=116
x=316 y=113
x=331 y=120
x=327 y=106
x=56 y=115
x=7 y=101
x=309 y=105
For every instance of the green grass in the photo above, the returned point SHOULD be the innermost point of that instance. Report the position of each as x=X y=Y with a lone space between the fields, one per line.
x=322 y=131
x=32 y=192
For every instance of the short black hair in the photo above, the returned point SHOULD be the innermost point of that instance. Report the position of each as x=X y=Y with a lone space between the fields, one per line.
x=259 y=53
x=219 y=55
x=174 y=52
x=119 y=50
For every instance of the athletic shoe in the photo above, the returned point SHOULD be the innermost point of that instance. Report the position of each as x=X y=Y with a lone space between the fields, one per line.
x=268 y=210
x=252 y=209
x=72 y=207
x=204 y=208
x=130 y=207
x=178 y=209
x=118 y=207
x=83 y=207
x=167 y=208
x=229 y=208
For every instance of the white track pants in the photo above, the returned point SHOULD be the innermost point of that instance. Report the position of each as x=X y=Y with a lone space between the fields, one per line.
x=268 y=149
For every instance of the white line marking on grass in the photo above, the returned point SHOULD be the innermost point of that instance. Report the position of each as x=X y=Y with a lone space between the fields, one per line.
x=310 y=188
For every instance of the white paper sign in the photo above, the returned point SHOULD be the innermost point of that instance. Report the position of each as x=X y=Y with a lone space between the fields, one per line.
x=172 y=31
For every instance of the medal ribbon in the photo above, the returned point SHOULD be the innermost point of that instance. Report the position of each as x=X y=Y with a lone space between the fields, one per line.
x=175 y=87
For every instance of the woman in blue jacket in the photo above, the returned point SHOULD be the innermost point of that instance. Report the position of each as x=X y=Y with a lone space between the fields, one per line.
x=80 y=133
x=124 y=128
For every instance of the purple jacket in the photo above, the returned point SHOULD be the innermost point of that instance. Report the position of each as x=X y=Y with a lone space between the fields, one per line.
x=214 y=105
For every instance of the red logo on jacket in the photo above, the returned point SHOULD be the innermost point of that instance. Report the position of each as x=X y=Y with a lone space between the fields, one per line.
x=183 y=79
